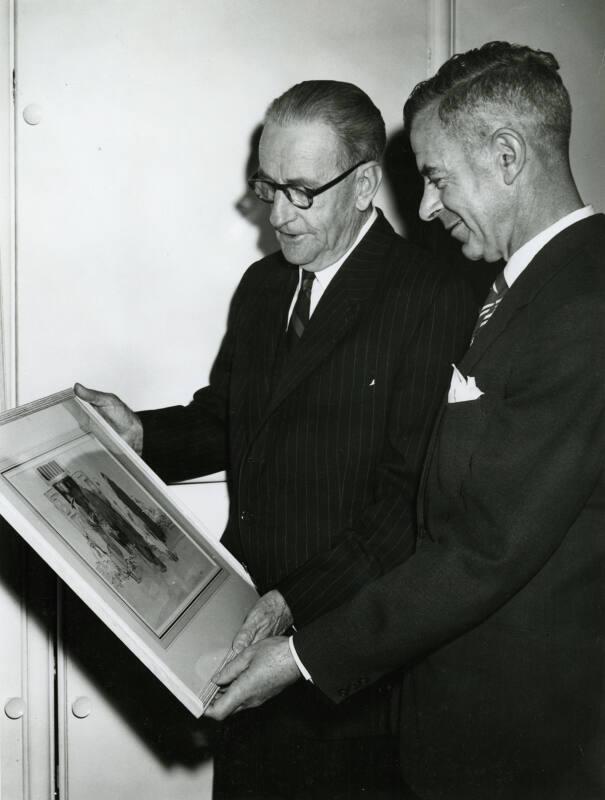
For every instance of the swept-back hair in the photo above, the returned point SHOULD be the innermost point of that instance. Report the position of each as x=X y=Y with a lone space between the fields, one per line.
x=511 y=82
x=344 y=107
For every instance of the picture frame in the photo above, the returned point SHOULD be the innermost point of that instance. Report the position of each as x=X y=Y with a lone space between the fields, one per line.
x=106 y=524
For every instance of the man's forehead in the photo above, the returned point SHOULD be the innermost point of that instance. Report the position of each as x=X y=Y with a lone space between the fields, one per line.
x=426 y=124
x=429 y=139
x=299 y=149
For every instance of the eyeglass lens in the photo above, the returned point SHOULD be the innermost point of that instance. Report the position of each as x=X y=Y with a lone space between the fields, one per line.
x=265 y=190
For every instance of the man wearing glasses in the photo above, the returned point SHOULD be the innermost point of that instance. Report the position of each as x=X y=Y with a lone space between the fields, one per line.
x=337 y=353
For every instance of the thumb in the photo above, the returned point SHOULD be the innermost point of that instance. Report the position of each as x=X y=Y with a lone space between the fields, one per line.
x=92 y=396
x=232 y=669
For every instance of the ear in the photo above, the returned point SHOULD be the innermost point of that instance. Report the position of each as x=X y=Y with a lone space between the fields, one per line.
x=369 y=177
x=510 y=153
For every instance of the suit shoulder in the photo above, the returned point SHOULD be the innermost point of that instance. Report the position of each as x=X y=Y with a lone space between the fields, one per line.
x=565 y=286
x=264 y=268
x=264 y=276
x=261 y=279
x=578 y=257
x=591 y=255
x=415 y=269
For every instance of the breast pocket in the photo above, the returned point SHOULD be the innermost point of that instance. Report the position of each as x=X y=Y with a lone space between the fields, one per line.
x=460 y=431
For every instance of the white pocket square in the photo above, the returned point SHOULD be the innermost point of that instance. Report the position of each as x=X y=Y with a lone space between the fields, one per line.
x=461 y=388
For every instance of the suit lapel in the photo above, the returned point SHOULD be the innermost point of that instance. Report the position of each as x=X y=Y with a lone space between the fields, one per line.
x=337 y=312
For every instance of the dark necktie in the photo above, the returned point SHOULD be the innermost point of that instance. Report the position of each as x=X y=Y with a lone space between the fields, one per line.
x=492 y=301
x=300 y=313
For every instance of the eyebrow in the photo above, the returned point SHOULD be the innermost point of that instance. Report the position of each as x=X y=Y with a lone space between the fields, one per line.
x=292 y=182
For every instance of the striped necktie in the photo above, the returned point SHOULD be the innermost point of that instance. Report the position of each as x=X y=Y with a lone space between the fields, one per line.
x=300 y=312
x=492 y=301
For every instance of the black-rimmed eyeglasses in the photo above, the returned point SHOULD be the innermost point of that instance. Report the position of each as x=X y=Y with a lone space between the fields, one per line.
x=299 y=196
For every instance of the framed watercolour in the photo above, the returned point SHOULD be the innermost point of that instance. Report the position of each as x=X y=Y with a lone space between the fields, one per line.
x=104 y=522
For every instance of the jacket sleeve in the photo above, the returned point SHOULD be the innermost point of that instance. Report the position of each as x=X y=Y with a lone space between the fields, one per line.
x=533 y=472
x=385 y=533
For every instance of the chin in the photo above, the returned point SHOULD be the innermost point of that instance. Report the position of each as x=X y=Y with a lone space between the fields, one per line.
x=296 y=262
x=474 y=251
x=473 y=254
x=293 y=257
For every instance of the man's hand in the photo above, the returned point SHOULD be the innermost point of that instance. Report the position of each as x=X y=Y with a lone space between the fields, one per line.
x=254 y=676
x=269 y=617
x=120 y=417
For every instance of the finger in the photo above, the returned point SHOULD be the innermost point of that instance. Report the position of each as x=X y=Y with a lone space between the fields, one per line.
x=92 y=395
x=225 y=704
x=245 y=635
x=242 y=640
x=232 y=669
x=254 y=627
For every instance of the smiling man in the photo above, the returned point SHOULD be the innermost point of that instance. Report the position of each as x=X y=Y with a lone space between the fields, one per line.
x=499 y=616
x=458 y=190
x=320 y=403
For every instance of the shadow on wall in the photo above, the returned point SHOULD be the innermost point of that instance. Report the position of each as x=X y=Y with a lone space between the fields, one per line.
x=250 y=207
x=153 y=714
x=405 y=185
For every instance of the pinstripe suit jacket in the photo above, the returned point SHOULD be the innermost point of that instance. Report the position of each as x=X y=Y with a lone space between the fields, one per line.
x=501 y=611
x=323 y=448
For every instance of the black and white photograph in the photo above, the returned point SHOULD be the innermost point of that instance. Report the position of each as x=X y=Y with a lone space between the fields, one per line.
x=302 y=399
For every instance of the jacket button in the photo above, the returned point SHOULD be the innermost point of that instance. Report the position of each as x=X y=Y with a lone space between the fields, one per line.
x=246 y=516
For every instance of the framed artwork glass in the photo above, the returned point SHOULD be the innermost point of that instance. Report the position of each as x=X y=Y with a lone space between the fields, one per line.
x=104 y=522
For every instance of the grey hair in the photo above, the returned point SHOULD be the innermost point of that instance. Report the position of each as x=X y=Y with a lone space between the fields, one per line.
x=344 y=107
x=510 y=81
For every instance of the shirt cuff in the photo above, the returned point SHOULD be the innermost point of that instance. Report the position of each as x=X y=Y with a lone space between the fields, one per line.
x=303 y=670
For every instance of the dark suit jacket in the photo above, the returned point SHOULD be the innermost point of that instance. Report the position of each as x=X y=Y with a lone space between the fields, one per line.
x=324 y=448
x=501 y=611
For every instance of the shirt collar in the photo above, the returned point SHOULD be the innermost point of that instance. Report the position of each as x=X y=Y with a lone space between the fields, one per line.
x=522 y=257
x=324 y=276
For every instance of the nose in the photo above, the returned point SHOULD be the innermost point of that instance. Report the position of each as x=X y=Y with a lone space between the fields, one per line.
x=282 y=210
x=430 y=204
